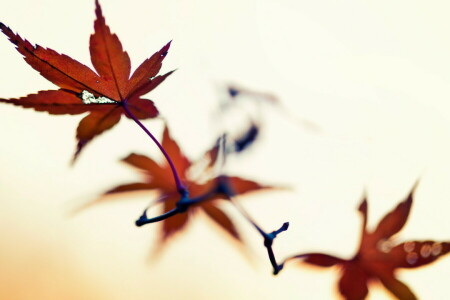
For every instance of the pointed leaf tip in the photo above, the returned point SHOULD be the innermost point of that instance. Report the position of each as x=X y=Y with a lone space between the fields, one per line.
x=98 y=9
x=80 y=145
x=394 y=221
x=319 y=259
x=165 y=49
x=167 y=46
x=4 y=28
x=111 y=80
x=363 y=206
x=413 y=191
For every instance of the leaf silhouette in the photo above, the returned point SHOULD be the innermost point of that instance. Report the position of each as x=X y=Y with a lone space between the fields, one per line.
x=159 y=177
x=379 y=257
x=234 y=91
x=103 y=94
x=247 y=138
x=237 y=93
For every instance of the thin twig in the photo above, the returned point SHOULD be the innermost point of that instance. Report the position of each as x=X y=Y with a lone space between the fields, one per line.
x=222 y=188
x=180 y=187
x=268 y=237
x=226 y=189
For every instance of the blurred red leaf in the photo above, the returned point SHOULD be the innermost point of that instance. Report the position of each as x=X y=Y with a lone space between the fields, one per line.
x=106 y=91
x=159 y=177
x=319 y=259
x=379 y=256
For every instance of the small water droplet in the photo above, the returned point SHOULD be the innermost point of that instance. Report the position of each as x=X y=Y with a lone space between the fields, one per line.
x=97 y=81
x=409 y=246
x=412 y=258
x=425 y=251
x=436 y=249
x=385 y=246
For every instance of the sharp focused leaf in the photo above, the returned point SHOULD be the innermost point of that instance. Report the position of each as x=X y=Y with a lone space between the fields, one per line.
x=108 y=90
x=109 y=59
x=94 y=124
x=57 y=102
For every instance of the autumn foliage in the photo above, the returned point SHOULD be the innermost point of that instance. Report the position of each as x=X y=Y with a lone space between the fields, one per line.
x=207 y=194
x=379 y=256
x=112 y=83
x=110 y=91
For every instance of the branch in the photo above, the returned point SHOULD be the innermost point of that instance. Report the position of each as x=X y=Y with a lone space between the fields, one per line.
x=225 y=188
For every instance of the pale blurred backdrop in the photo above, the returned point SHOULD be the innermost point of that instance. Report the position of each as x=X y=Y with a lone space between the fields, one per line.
x=373 y=75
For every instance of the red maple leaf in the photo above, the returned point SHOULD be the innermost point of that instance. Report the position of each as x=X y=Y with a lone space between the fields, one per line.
x=379 y=256
x=103 y=94
x=159 y=177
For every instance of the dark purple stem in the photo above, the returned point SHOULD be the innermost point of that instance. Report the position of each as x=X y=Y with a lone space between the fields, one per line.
x=144 y=220
x=268 y=242
x=180 y=187
x=181 y=206
x=268 y=237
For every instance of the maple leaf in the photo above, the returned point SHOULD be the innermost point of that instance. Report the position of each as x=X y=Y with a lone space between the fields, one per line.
x=159 y=178
x=379 y=256
x=105 y=94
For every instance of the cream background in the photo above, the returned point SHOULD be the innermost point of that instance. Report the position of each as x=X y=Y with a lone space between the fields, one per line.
x=372 y=74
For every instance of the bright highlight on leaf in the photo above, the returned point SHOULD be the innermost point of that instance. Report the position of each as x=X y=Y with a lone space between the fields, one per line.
x=110 y=90
x=89 y=98
x=102 y=93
